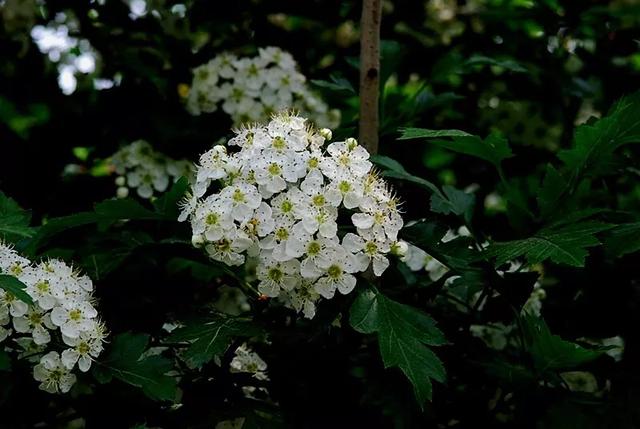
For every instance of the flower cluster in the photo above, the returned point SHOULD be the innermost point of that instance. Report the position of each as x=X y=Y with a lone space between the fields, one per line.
x=141 y=168
x=277 y=202
x=417 y=259
x=252 y=89
x=63 y=305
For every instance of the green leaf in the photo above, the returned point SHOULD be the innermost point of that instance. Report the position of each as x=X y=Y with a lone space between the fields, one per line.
x=403 y=334
x=337 y=83
x=5 y=361
x=125 y=362
x=211 y=337
x=14 y=221
x=455 y=201
x=563 y=244
x=168 y=203
x=594 y=144
x=507 y=64
x=417 y=133
x=623 y=239
x=494 y=148
x=200 y=271
x=127 y=208
x=550 y=352
x=551 y=191
x=15 y=287
x=395 y=170
x=105 y=213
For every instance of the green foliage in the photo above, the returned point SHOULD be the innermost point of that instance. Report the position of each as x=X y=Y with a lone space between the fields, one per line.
x=212 y=337
x=403 y=336
x=128 y=361
x=493 y=149
x=562 y=244
x=455 y=201
x=550 y=352
x=395 y=170
x=595 y=144
x=15 y=287
x=105 y=214
x=5 y=361
x=14 y=221
x=337 y=83
x=623 y=239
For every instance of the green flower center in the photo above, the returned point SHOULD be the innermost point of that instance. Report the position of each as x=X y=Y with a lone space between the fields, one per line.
x=35 y=318
x=279 y=143
x=286 y=206
x=238 y=196
x=274 y=169
x=75 y=315
x=344 y=186
x=313 y=162
x=43 y=286
x=275 y=274
x=335 y=272
x=370 y=248
x=83 y=348
x=319 y=200
x=282 y=234
x=224 y=245
x=344 y=159
x=313 y=248
x=212 y=219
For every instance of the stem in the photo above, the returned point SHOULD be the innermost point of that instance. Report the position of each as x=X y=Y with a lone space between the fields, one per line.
x=370 y=74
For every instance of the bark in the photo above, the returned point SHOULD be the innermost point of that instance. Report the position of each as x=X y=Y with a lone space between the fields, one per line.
x=370 y=74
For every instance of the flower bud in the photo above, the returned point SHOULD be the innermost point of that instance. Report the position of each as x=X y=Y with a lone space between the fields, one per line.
x=351 y=143
x=121 y=181
x=326 y=133
x=399 y=248
x=197 y=240
x=219 y=149
x=122 y=192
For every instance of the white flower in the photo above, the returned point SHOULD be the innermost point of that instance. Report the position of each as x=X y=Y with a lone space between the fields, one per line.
x=275 y=207
x=141 y=168
x=16 y=307
x=338 y=268
x=314 y=249
x=84 y=348
x=261 y=223
x=74 y=317
x=228 y=249
x=53 y=376
x=417 y=259
x=37 y=323
x=383 y=219
x=246 y=360
x=243 y=200
x=303 y=299
x=347 y=158
x=275 y=276
x=253 y=88
x=212 y=218
x=369 y=248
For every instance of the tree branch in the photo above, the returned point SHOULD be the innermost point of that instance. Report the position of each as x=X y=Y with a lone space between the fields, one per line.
x=369 y=73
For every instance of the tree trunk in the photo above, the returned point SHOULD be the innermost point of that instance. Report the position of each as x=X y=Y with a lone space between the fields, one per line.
x=369 y=73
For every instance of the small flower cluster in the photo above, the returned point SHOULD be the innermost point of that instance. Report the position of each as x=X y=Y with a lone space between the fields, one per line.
x=141 y=168
x=277 y=202
x=63 y=304
x=248 y=361
x=252 y=89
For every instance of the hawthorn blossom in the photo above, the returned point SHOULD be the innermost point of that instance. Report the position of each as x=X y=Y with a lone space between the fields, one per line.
x=277 y=204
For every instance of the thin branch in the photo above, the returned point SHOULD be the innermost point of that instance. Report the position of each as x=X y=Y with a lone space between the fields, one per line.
x=370 y=73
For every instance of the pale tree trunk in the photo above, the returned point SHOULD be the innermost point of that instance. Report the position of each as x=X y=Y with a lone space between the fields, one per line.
x=369 y=73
